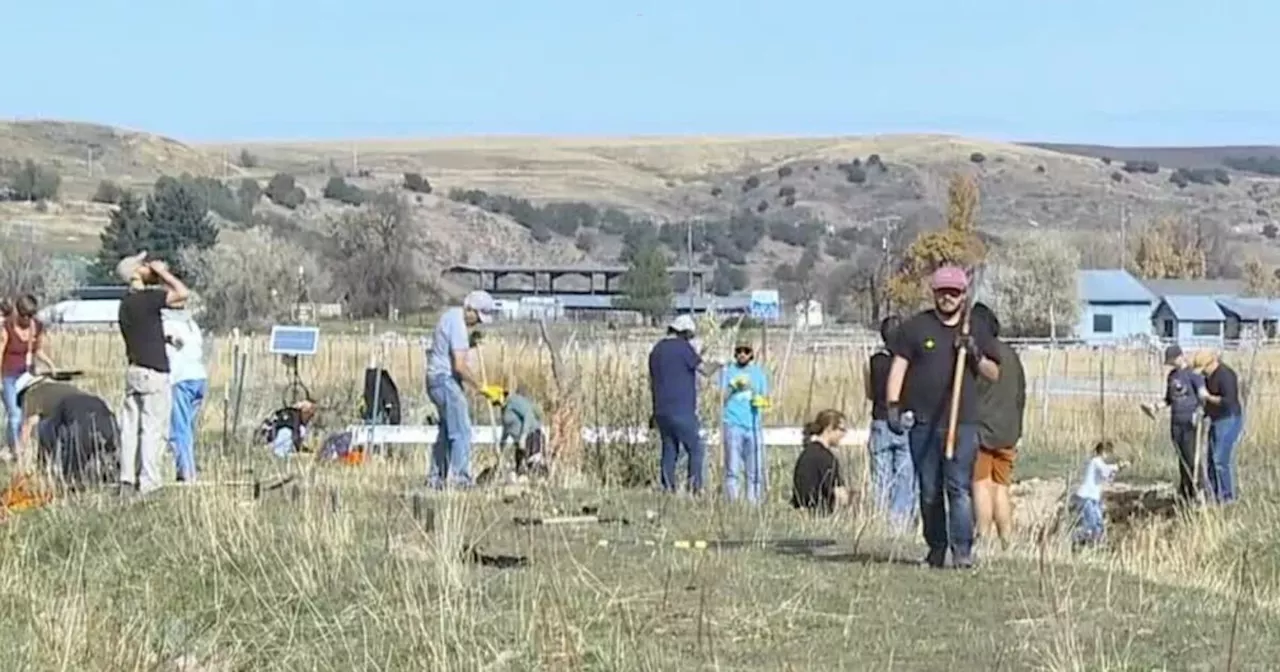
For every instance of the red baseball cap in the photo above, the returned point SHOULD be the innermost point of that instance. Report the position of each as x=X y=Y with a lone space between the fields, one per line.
x=949 y=277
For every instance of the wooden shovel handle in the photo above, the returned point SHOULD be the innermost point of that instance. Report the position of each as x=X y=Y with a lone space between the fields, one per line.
x=957 y=382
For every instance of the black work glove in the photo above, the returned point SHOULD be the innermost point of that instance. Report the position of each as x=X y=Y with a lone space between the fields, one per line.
x=893 y=418
x=970 y=345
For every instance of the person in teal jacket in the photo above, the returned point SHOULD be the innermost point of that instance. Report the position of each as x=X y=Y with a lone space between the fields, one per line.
x=522 y=425
x=746 y=389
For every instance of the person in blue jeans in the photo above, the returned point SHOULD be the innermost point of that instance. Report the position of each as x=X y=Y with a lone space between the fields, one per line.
x=447 y=372
x=926 y=351
x=1221 y=396
x=893 y=478
x=674 y=365
x=189 y=380
x=746 y=390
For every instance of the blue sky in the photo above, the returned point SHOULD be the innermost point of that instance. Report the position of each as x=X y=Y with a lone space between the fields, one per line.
x=1115 y=72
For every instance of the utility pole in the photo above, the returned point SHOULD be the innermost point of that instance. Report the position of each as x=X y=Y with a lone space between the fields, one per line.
x=689 y=262
x=90 y=150
x=1124 y=236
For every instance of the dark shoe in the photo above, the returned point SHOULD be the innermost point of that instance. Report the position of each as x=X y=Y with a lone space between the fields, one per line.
x=963 y=562
x=936 y=558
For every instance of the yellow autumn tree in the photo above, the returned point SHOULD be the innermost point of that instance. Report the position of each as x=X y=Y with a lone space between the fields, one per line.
x=1170 y=249
x=956 y=243
x=1258 y=279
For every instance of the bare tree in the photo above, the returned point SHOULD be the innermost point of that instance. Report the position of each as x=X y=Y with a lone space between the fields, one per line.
x=28 y=268
x=1030 y=283
x=250 y=279
x=377 y=257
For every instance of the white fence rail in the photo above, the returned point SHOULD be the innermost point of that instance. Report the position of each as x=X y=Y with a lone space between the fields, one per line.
x=374 y=435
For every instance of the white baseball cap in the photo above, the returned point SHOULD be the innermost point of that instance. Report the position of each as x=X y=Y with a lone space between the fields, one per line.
x=481 y=302
x=683 y=323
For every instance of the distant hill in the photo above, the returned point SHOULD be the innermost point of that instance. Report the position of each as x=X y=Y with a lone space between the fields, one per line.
x=838 y=196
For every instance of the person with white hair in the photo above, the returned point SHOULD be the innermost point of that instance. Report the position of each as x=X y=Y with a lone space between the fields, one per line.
x=448 y=371
x=144 y=417
x=674 y=364
x=184 y=346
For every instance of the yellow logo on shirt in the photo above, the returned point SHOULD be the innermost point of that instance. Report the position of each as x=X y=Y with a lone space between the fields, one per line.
x=928 y=344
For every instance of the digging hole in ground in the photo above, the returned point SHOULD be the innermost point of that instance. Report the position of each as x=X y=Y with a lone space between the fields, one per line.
x=1127 y=505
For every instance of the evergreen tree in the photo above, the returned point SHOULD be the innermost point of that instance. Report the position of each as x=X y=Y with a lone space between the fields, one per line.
x=176 y=217
x=646 y=285
x=127 y=232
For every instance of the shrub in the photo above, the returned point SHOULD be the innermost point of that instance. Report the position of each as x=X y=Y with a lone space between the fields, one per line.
x=789 y=201
x=1040 y=169
x=108 y=192
x=786 y=191
x=838 y=248
x=1117 y=176
x=284 y=191
x=1106 y=160
x=855 y=174
x=33 y=182
x=338 y=189
x=762 y=206
x=1149 y=167
x=874 y=161
x=586 y=241
x=977 y=157
x=751 y=183
x=415 y=182
x=247 y=160
x=784 y=172
x=1261 y=213
x=716 y=191
x=1270 y=231
x=1179 y=177
x=1266 y=165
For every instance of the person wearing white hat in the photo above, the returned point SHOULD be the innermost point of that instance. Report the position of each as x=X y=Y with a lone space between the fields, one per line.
x=448 y=371
x=674 y=364
x=144 y=418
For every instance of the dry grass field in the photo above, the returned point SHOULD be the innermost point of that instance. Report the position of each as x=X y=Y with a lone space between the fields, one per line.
x=341 y=574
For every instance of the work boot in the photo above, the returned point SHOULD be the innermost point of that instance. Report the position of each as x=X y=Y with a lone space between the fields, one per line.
x=936 y=558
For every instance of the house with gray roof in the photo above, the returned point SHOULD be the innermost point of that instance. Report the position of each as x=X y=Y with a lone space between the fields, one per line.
x=1190 y=319
x=1114 y=306
x=1210 y=312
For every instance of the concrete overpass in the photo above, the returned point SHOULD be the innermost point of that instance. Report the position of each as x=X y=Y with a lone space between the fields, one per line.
x=601 y=279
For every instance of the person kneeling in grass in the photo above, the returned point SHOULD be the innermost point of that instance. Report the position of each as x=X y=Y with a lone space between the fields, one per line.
x=285 y=430
x=818 y=486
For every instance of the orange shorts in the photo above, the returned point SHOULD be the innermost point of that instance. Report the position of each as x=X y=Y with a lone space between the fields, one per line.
x=995 y=465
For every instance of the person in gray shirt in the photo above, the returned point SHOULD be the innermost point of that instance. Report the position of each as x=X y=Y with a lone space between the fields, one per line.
x=1181 y=397
x=448 y=370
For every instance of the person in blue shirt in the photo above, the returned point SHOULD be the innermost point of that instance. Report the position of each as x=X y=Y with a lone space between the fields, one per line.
x=746 y=389
x=674 y=364
x=448 y=369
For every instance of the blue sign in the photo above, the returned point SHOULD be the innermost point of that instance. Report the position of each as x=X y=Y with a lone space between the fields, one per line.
x=765 y=305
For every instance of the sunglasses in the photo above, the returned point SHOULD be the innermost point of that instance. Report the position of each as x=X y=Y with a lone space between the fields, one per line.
x=742 y=351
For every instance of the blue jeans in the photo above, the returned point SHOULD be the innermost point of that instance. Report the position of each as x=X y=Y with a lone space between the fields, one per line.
x=451 y=454
x=1091 y=525
x=1224 y=434
x=744 y=452
x=946 y=486
x=13 y=412
x=893 y=478
x=677 y=432
x=188 y=396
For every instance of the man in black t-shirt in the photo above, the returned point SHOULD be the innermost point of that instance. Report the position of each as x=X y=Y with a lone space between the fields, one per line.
x=925 y=351
x=1221 y=396
x=893 y=479
x=144 y=418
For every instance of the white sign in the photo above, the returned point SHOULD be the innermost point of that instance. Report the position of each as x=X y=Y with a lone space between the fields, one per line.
x=765 y=305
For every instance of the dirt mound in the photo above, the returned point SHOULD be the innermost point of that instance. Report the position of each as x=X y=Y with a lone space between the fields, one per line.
x=1044 y=504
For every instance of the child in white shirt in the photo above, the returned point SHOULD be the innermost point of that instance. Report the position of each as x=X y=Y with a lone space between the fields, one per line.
x=1092 y=524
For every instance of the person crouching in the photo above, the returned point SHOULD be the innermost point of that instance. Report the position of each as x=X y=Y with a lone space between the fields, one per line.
x=73 y=433
x=285 y=430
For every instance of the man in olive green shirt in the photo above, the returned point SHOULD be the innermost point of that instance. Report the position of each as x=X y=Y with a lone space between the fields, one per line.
x=1001 y=405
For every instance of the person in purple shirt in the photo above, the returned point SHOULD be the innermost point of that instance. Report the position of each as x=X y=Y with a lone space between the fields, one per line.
x=674 y=364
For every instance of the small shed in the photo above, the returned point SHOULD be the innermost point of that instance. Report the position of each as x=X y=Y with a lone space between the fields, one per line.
x=1249 y=317
x=1114 y=306
x=1190 y=318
